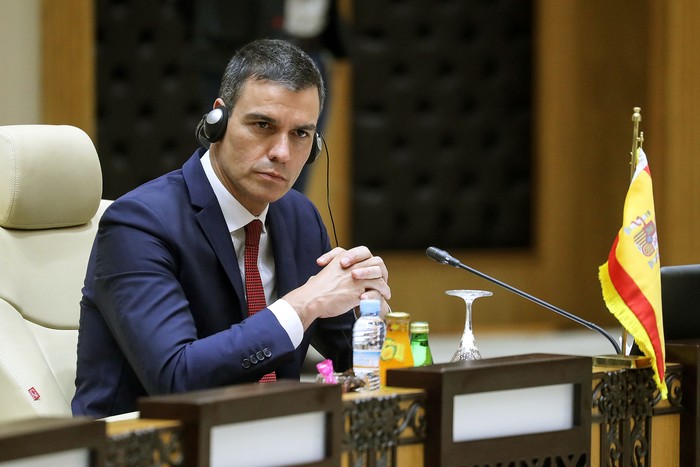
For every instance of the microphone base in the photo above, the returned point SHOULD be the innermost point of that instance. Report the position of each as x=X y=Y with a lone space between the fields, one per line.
x=622 y=361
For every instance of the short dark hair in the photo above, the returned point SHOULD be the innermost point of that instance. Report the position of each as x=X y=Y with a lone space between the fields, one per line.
x=270 y=59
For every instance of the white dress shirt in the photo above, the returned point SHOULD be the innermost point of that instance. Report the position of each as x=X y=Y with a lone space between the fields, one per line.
x=237 y=217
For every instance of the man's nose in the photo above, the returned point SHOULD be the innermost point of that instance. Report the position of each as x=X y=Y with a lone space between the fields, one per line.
x=280 y=149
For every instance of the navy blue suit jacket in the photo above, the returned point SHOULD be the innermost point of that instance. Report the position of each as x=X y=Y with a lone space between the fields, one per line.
x=163 y=307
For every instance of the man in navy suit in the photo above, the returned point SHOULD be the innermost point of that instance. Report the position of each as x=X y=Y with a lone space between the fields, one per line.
x=164 y=305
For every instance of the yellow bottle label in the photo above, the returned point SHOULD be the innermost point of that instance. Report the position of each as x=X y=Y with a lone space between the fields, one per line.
x=389 y=349
x=393 y=350
x=400 y=354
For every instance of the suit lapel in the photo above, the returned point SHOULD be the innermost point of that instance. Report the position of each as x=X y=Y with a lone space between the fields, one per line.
x=285 y=265
x=212 y=222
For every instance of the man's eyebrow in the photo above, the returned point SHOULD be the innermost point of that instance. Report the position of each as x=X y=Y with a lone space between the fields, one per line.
x=257 y=116
x=309 y=127
x=254 y=116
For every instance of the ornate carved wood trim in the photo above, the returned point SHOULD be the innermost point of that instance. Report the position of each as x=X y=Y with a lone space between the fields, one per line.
x=624 y=402
x=148 y=445
x=376 y=426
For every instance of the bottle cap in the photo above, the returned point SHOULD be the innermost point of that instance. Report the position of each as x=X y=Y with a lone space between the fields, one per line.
x=370 y=307
x=419 y=327
x=398 y=315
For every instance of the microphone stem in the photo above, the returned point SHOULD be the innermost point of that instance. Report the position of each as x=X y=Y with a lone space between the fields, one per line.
x=549 y=306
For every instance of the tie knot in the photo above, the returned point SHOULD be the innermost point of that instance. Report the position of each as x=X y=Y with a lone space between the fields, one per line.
x=252 y=233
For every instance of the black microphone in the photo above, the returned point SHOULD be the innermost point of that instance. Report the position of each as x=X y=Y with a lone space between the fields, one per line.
x=441 y=256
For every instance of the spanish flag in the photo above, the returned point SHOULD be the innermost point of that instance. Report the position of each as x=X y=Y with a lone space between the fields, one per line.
x=631 y=278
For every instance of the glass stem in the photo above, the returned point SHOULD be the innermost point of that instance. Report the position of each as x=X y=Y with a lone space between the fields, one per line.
x=468 y=335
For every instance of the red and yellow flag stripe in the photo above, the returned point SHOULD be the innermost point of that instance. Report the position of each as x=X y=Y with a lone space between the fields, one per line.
x=631 y=278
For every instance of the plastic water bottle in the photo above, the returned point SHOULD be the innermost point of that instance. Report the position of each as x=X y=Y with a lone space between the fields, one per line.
x=367 y=340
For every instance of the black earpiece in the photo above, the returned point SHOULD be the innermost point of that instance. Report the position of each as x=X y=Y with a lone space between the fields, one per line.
x=315 y=148
x=212 y=127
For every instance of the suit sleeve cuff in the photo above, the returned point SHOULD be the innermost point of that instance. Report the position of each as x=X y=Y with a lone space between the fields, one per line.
x=289 y=320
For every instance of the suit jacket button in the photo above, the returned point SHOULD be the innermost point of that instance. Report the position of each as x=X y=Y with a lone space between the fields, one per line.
x=260 y=355
x=245 y=363
x=253 y=360
x=267 y=352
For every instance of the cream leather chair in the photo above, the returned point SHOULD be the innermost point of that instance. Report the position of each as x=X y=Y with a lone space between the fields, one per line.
x=50 y=203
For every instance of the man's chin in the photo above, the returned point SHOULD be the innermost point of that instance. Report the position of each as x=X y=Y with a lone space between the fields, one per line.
x=271 y=195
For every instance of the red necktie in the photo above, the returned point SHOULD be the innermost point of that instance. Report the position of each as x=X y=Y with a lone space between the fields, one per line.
x=253 y=284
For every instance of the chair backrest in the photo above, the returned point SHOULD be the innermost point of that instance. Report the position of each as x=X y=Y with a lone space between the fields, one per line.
x=50 y=203
x=680 y=297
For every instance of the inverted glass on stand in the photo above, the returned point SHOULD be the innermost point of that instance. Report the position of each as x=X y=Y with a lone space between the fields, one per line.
x=467 y=349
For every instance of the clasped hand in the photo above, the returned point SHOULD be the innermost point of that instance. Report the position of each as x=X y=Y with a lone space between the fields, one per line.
x=347 y=277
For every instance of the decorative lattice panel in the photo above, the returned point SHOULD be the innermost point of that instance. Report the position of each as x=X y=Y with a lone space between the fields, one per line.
x=147 y=96
x=442 y=123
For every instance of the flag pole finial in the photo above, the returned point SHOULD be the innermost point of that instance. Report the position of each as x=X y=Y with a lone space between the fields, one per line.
x=636 y=139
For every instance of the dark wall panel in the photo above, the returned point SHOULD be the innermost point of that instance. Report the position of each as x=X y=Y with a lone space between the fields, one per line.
x=442 y=123
x=147 y=104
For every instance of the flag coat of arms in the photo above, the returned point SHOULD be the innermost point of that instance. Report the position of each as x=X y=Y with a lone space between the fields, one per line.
x=631 y=278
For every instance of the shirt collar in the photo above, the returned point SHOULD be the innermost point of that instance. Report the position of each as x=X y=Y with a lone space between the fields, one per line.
x=235 y=214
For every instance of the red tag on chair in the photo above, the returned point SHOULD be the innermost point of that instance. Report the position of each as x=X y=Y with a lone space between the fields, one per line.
x=34 y=393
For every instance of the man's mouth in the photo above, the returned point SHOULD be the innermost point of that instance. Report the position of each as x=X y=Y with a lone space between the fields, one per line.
x=273 y=175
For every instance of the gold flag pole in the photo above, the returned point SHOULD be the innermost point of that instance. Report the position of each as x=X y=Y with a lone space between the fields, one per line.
x=624 y=360
x=637 y=141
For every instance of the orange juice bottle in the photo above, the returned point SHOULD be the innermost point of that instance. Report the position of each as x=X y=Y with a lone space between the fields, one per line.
x=396 y=351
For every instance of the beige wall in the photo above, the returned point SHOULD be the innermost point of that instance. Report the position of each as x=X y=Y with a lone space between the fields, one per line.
x=20 y=59
x=595 y=61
